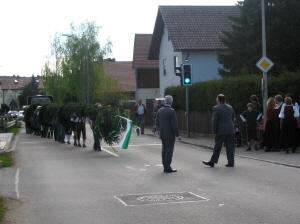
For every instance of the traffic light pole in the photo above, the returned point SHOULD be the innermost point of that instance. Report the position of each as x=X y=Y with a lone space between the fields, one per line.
x=187 y=111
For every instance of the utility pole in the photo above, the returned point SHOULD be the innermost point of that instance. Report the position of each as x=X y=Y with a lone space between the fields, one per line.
x=264 y=50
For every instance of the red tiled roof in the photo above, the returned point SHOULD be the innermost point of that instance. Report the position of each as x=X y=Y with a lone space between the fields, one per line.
x=9 y=84
x=122 y=71
x=141 y=50
x=192 y=27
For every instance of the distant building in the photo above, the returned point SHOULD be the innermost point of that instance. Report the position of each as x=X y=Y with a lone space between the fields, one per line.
x=123 y=72
x=13 y=85
x=146 y=71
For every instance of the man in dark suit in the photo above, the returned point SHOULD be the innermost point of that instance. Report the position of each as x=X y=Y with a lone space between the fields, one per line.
x=166 y=123
x=223 y=116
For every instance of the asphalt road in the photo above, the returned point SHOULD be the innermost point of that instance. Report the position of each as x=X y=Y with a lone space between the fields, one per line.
x=59 y=183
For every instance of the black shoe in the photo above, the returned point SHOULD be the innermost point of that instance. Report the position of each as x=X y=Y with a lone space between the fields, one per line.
x=256 y=148
x=69 y=143
x=83 y=145
x=287 y=151
x=209 y=163
x=79 y=145
x=229 y=165
x=98 y=150
x=75 y=144
x=249 y=148
x=170 y=170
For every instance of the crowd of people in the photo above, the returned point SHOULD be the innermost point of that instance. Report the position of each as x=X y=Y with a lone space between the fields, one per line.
x=62 y=133
x=282 y=124
x=281 y=130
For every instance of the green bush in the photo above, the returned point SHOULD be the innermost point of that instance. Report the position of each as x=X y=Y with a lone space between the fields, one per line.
x=237 y=90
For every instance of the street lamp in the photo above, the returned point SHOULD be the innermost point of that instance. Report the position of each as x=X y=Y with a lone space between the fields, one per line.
x=87 y=68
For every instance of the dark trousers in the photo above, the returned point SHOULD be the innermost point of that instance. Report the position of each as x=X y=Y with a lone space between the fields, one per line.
x=55 y=132
x=80 y=127
x=140 y=121
x=230 y=148
x=97 y=145
x=167 y=152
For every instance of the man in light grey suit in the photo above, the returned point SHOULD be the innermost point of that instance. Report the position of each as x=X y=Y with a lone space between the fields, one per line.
x=223 y=116
x=166 y=123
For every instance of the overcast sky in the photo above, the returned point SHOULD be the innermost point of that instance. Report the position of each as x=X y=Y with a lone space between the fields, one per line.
x=28 y=27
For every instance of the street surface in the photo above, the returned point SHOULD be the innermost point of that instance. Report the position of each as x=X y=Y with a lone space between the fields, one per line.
x=60 y=183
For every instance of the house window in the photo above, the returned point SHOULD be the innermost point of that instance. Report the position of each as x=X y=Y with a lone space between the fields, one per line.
x=165 y=66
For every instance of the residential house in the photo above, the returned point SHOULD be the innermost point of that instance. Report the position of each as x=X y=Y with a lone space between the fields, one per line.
x=11 y=86
x=123 y=72
x=189 y=34
x=146 y=74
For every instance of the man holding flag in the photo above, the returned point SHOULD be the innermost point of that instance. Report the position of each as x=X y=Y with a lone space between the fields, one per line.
x=166 y=123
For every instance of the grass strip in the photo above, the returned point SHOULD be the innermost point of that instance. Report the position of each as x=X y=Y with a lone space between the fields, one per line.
x=6 y=158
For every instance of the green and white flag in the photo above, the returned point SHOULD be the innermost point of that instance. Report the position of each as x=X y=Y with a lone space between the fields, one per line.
x=126 y=137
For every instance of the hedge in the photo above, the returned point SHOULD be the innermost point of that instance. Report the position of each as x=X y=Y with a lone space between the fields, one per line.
x=202 y=95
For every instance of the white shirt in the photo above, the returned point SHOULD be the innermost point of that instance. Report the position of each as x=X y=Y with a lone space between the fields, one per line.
x=141 y=110
x=296 y=112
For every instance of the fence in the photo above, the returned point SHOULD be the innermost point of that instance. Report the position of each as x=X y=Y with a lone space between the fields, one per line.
x=200 y=122
x=6 y=123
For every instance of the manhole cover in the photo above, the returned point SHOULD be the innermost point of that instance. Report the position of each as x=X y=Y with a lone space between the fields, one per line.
x=159 y=197
x=145 y=199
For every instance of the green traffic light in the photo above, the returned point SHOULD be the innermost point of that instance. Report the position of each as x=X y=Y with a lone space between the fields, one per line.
x=187 y=80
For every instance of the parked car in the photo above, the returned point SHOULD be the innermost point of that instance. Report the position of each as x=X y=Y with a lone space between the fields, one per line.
x=13 y=114
x=21 y=115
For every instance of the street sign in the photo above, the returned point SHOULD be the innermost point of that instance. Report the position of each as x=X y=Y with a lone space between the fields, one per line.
x=264 y=64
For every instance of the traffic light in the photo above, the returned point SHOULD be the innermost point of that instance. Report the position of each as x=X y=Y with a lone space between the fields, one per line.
x=187 y=74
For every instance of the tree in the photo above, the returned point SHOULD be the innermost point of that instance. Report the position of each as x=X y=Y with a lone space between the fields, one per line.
x=4 y=108
x=78 y=74
x=31 y=89
x=244 y=42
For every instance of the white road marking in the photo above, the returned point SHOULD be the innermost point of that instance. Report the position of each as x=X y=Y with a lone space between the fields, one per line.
x=143 y=145
x=114 y=154
x=17 y=183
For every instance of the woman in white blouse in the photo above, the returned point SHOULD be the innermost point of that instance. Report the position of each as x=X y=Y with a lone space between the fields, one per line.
x=289 y=122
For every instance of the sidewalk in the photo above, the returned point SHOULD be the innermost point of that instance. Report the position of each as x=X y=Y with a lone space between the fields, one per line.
x=281 y=158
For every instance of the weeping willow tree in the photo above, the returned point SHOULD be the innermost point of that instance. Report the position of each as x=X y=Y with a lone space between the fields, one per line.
x=77 y=75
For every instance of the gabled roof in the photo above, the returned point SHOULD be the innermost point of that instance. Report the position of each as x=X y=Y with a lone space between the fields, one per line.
x=7 y=82
x=122 y=71
x=141 y=50
x=192 y=27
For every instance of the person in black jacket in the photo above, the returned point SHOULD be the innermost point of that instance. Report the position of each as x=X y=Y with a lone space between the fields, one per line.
x=166 y=123
x=223 y=116
x=250 y=117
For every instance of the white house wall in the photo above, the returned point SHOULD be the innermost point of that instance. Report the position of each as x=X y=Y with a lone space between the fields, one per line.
x=204 y=65
x=145 y=94
x=167 y=53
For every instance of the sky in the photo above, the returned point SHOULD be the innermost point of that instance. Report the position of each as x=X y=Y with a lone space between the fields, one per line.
x=28 y=27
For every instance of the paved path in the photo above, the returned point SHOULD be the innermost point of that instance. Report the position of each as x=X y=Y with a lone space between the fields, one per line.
x=291 y=159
